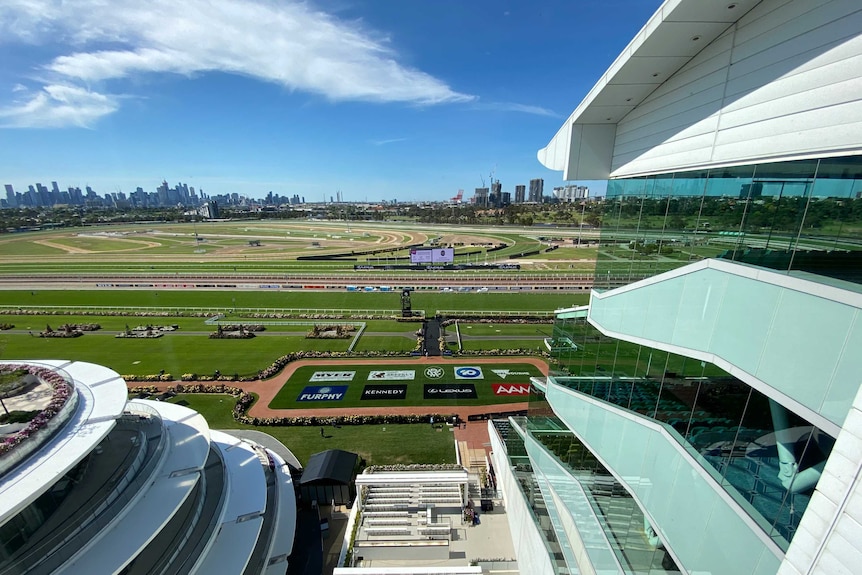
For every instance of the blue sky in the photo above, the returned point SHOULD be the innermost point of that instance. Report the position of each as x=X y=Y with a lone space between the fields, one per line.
x=380 y=99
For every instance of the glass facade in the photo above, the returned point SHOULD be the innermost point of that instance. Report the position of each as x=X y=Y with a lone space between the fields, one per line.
x=800 y=216
x=758 y=449
x=528 y=483
x=592 y=492
x=791 y=216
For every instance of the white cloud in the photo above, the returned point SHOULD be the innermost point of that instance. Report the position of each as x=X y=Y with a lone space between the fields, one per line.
x=514 y=107
x=388 y=141
x=286 y=43
x=58 y=106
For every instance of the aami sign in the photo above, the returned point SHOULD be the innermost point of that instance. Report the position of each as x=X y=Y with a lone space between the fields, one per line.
x=511 y=388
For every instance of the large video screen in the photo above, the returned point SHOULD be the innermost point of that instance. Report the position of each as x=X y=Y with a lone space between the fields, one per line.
x=432 y=255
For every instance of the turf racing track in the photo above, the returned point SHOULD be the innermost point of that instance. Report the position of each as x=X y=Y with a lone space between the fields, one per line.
x=288 y=256
x=367 y=281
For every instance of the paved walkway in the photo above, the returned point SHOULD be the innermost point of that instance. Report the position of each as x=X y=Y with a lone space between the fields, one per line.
x=473 y=433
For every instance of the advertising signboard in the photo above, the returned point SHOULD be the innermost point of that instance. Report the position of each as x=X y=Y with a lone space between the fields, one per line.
x=332 y=376
x=322 y=393
x=468 y=372
x=432 y=255
x=511 y=388
x=449 y=391
x=392 y=375
x=391 y=391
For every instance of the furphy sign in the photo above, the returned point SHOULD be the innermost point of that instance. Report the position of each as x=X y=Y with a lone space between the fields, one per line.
x=468 y=372
x=511 y=388
x=322 y=393
x=332 y=376
x=392 y=375
x=449 y=391
x=384 y=391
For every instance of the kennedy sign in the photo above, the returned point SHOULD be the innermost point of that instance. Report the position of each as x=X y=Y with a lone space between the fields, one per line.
x=394 y=391
x=511 y=388
x=450 y=391
x=332 y=376
x=322 y=393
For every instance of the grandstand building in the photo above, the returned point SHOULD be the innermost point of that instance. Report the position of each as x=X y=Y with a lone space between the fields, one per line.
x=704 y=416
x=106 y=485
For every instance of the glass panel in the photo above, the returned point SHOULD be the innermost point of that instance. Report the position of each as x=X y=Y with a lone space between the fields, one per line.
x=803 y=215
x=630 y=536
x=830 y=241
x=754 y=445
x=530 y=491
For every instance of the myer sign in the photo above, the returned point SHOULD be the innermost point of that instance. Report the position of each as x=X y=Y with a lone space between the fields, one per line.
x=332 y=376
x=322 y=393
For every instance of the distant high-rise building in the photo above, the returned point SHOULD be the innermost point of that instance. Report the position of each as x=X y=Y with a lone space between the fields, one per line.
x=520 y=193
x=10 y=196
x=571 y=193
x=537 y=188
x=210 y=210
x=480 y=197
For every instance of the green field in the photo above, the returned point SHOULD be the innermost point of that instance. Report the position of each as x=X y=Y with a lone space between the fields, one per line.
x=189 y=350
x=377 y=444
x=245 y=301
x=301 y=378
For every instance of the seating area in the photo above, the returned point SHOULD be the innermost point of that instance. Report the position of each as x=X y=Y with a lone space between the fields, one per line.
x=410 y=512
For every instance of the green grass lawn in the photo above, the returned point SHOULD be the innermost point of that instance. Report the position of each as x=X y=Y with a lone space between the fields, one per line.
x=301 y=378
x=184 y=352
x=492 y=344
x=491 y=329
x=174 y=353
x=377 y=444
x=250 y=300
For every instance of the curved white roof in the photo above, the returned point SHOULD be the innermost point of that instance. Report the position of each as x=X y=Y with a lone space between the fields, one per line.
x=101 y=399
x=583 y=146
x=285 y=518
x=242 y=513
x=186 y=451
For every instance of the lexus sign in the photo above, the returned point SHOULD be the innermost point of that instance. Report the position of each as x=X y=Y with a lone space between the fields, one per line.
x=449 y=391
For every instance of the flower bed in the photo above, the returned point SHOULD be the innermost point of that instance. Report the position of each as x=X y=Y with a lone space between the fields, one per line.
x=338 y=419
x=63 y=390
x=245 y=400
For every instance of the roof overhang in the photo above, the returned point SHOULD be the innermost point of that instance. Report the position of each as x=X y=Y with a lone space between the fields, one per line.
x=583 y=147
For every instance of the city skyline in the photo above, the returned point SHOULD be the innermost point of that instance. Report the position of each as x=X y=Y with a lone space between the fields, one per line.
x=39 y=195
x=383 y=101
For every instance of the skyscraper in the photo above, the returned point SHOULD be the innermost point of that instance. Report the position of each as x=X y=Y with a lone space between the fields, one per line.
x=10 y=196
x=520 y=193
x=537 y=187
